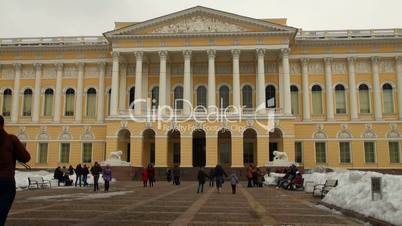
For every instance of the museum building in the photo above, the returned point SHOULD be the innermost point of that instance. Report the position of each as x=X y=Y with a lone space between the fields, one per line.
x=331 y=98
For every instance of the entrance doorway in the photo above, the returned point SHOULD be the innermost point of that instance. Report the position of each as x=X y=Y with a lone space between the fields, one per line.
x=225 y=147
x=249 y=146
x=173 y=147
x=199 y=143
x=148 y=147
x=123 y=144
x=275 y=142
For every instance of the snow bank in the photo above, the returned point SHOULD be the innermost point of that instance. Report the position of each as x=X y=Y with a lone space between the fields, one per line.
x=354 y=193
x=272 y=179
x=21 y=178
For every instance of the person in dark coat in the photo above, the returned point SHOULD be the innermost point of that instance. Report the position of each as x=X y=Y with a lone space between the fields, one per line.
x=250 y=176
x=176 y=175
x=219 y=173
x=66 y=179
x=85 y=172
x=151 y=175
x=144 y=175
x=211 y=177
x=201 y=180
x=78 y=174
x=11 y=150
x=96 y=170
x=71 y=170
x=168 y=175
x=107 y=177
x=58 y=175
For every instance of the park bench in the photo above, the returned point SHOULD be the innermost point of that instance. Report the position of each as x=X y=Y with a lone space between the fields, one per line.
x=38 y=182
x=323 y=189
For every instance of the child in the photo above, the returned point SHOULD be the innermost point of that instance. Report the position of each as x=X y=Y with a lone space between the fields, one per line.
x=234 y=181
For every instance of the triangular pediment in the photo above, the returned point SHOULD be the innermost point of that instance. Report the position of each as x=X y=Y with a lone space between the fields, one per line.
x=200 y=20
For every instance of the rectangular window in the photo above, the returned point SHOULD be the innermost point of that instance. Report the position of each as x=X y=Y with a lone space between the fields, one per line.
x=42 y=153
x=69 y=105
x=320 y=152
x=295 y=102
x=299 y=152
x=394 y=153
x=340 y=102
x=364 y=101
x=317 y=102
x=65 y=153
x=344 y=150
x=87 y=152
x=369 y=152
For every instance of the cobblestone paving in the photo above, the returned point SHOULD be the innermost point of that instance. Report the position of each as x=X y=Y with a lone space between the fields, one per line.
x=128 y=203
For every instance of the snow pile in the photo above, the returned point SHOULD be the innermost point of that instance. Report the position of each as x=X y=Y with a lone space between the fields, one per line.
x=21 y=178
x=272 y=179
x=354 y=193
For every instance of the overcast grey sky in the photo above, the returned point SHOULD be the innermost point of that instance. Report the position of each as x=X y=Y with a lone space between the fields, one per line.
x=33 y=18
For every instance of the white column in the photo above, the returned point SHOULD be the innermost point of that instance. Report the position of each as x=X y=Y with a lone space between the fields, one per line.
x=16 y=93
x=328 y=89
x=138 y=80
x=115 y=85
x=286 y=81
x=162 y=78
x=260 y=81
x=306 y=90
x=211 y=78
x=352 y=88
x=36 y=100
x=398 y=60
x=80 y=91
x=101 y=93
x=280 y=89
x=236 y=78
x=58 y=93
x=187 y=87
x=376 y=87
x=123 y=87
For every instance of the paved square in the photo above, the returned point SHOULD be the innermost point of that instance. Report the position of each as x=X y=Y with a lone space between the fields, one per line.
x=128 y=203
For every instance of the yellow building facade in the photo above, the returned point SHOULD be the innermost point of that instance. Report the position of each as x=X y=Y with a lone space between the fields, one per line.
x=200 y=87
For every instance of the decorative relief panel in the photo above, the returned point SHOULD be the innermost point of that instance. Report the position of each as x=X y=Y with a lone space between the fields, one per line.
x=130 y=70
x=369 y=133
x=7 y=73
x=28 y=72
x=91 y=71
x=70 y=71
x=108 y=72
x=363 y=67
x=295 y=69
x=387 y=66
x=201 y=68
x=177 y=69
x=247 y=68
x=315 y=68
x=198 y=24
x=271 y=67
x=49 y=72
x=338 y=68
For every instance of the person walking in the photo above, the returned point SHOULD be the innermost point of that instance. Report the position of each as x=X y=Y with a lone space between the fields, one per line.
x=250 y=176
x=219 y=173
x=11 y=150
x=151 y=175
x=201 y=180
x=58 y=175
x=168 y=175
x=144 y=174
x=211 y=177
x=107 y=177
x=259 y=177
x=78 y=174
x=96 y=170
x=234 y=180
x=85 y=172
x=176 y=175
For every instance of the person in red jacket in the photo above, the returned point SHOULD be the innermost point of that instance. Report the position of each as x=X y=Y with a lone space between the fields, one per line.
x=11 y=150
x=144 y=174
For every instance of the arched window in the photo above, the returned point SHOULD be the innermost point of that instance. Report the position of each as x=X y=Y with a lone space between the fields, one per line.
x=247 y=96
x=178 y=97
x=48 y=106
x=340 y=97
x=224 y=96
x=109 y=100
x=155 y=96
x=131 y=97
x=270 y=96
x=69 y=108
x=316 y=95
x=202 y=96
x=91 y=102
x=364 y=98
x=7 y=95
x=294 y=95
x=27 y=107
x=388 y=98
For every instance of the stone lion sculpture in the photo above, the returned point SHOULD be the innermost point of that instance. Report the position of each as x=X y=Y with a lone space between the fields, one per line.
x=279 y=155
x=115 y=155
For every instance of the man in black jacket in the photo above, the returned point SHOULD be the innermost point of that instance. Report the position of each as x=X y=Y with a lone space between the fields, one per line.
x=11 y=150
x=96 y=170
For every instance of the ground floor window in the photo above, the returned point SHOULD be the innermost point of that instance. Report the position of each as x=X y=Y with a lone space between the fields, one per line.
x=298 y=152
x=369 y=152
x=344 y=150
x=87 y=152
x=394 y=153
x=65 y=153
x=42 y=153
x=320 y=152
